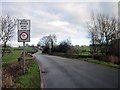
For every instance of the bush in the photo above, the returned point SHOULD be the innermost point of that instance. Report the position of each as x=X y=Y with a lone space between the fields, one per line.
x=114 y=59
x=108 y=58
x=45 y=49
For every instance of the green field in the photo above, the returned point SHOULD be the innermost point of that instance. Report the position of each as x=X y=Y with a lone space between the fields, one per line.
x=30 y=50
x=11 y=57
x=87 y=48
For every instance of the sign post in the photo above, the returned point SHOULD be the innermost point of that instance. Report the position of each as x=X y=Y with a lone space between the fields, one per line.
x=118 y=37
x=24 y=57
x=23 y=35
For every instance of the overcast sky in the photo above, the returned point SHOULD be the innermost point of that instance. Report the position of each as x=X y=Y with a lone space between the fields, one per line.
x=65 y=19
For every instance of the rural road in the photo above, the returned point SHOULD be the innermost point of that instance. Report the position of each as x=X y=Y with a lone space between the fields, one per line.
x=62 y=72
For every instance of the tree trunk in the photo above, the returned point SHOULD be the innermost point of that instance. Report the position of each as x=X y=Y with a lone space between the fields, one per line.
x=4 y=47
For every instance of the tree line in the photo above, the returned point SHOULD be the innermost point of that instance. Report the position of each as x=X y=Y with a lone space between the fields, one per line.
x=48 y=43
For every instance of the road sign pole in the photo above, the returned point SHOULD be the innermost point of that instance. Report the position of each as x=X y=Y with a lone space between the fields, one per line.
x=23 y=35
x=23 y=57
x=119 y=47
x=119 y=61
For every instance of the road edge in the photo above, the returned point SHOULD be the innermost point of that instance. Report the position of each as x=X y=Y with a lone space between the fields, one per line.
x=41 y=77
x=42 y=84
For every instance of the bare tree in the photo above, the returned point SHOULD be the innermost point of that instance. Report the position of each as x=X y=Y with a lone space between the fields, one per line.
x=93 y=34
x=47 y=41
x=102 y=31
x=7 y=26
x=107 y=27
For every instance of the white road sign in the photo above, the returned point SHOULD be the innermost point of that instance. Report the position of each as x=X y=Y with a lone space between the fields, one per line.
x=23 y=24
x=23 y=30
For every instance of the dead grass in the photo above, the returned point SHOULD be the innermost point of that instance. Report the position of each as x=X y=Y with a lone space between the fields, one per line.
x=9 y=73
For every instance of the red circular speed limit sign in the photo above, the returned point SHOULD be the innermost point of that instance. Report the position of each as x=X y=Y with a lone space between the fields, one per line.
x=23 y=35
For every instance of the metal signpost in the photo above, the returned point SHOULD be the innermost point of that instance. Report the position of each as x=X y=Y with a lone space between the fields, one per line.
x=23 y=35
x=118 y=37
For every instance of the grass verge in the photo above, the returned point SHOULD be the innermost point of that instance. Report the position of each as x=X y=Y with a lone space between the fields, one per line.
x=100 y=62
x=90 y=60
x=31 y=79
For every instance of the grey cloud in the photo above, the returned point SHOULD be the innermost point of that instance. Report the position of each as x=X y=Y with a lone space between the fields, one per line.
x=71 y=18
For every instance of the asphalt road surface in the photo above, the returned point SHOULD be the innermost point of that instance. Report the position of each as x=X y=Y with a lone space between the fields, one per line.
x=59 y=72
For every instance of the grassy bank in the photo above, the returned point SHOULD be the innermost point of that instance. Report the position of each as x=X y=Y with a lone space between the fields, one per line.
x=11 y=78
x=109 y=64
x=100 y=62
x=31 y=79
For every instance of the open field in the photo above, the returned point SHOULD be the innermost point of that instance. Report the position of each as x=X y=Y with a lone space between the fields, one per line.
x=9 y=58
